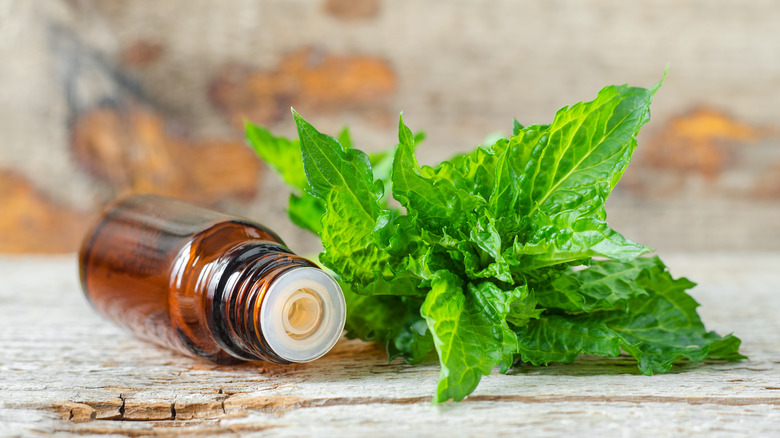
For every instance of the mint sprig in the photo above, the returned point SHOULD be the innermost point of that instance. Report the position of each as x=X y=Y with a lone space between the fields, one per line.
x=491 y=260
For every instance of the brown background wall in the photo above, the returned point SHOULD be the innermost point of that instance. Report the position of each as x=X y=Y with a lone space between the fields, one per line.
x=100 y=98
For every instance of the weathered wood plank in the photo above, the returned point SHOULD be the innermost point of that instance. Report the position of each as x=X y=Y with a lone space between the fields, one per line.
x=65 y=370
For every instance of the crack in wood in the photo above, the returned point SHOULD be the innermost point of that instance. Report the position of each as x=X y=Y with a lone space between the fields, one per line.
x=75 y=412
x=122 y=408
x=239 y=404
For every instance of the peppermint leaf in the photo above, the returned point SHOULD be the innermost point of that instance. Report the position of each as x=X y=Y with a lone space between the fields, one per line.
x=660 y=327
x=342 y=178
x=469 y=331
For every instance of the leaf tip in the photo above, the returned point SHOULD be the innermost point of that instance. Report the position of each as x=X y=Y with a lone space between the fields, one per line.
x=299 y=120
x=658 y=84
x=517 y=127
x=405 y=136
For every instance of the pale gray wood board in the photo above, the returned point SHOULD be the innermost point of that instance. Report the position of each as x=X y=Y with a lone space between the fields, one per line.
x=64 y=370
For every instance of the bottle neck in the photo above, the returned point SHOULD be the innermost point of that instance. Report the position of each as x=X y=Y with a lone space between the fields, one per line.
x=271 y=304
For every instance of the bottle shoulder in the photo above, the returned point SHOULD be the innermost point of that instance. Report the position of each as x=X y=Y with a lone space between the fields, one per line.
x=203 y=257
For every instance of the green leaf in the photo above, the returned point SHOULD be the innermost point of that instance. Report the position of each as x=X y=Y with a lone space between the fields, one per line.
x=469 y=331
x=485 y=236
x=413 y=342
x=473 y=172
x=516 y=127
x=330 y=167
x=605 y=285
x=726 y=348
x=282 y=154
x=495 y=304
x=382 y=161
x=306 y=212
x=506 y=200
x=552 y=180
x=559 y=338
x=665 y=326
x=377 y=318
x=382 y=166
x=524 y=309
x=658 y=328
x=346 y=238
x=554 y=243
x=432 y=199
x=345 y=138
x=342 y=178
x=582 y=154
x=284 y=157
x=405 y=283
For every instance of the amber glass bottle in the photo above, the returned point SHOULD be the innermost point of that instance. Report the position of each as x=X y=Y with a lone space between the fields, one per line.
x=208 y=284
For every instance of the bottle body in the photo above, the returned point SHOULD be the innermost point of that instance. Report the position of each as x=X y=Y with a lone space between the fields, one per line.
x=197 y=281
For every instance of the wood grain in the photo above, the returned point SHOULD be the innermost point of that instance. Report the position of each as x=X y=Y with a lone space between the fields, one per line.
x=64 y=370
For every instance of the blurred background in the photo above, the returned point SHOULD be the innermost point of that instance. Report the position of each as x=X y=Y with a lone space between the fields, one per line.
x=99 y=99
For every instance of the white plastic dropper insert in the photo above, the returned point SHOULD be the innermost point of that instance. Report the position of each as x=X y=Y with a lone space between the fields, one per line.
x=303 y=314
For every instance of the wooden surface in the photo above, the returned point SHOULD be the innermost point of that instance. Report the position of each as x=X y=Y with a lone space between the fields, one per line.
x=64 y=370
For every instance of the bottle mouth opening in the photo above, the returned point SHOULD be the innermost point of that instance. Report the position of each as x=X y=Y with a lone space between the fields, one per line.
x=302 y=314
